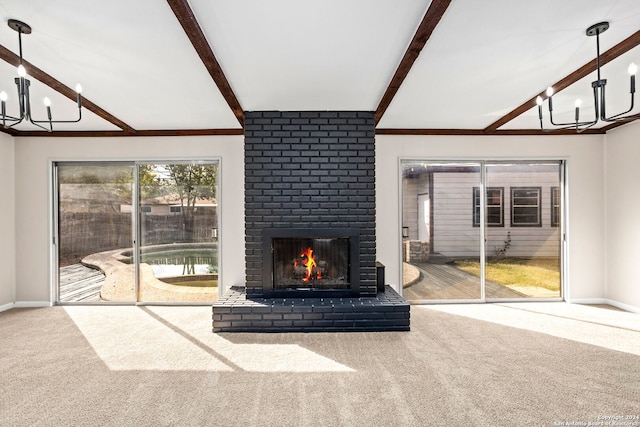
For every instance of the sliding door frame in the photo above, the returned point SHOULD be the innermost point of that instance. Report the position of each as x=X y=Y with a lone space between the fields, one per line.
x=138 y=227
x=54 y=232
x=483 y=162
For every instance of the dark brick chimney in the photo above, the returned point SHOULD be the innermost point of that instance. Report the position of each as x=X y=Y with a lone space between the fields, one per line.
x=310 y=170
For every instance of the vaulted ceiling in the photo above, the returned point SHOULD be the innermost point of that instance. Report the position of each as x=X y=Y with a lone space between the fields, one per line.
x=152 y=67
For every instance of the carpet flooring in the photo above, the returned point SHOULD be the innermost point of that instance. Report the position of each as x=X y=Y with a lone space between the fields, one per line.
x=524 y=364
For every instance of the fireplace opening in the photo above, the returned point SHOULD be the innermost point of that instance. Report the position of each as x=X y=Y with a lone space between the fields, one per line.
x=311 y=263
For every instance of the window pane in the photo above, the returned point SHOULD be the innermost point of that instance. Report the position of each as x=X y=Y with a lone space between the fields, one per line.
x=443 y=233
x=525 y=206
x=524 y=256
x=178 y=242
x=95 y=232
x=494 y=208
x=555 y=206
x=494 y=215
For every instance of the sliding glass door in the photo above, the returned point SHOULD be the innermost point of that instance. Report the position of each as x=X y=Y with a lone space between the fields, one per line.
x=94 y=222
x=481 y=231
x=437 y=231
x=137 y=232
x=523 y=252
x=178 y=232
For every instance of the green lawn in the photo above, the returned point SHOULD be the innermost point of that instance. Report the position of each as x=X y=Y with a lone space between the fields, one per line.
x=542 y=273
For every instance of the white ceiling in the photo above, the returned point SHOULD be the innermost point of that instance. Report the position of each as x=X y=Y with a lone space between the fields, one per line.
x=484 y=59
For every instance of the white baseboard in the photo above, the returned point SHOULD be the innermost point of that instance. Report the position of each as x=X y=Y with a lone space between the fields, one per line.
x=6 y=307
x=591 y=301
x=588 y=301
x=31 y=304
x=623 y=306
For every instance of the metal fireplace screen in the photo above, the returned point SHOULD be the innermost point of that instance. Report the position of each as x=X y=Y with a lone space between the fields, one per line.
x=311 y=263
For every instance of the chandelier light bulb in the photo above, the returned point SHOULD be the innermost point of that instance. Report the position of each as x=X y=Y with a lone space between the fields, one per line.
x=539 y=101
x=78 y=88
x=549 y=91
x=3 y=96
x=578 y=103
x=47 y=102
x=21 y=71
x=633 y=69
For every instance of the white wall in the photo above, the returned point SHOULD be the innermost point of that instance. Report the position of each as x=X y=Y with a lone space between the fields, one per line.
x=584 y=155
x=586 y=175
x=622 y=203
x=7 y=220
x=33 y=188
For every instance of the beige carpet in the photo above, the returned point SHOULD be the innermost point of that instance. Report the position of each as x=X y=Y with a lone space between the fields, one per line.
x=461 y=365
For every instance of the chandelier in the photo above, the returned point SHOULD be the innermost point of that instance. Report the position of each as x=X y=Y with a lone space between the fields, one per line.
x=24 y=101
x=598 y=86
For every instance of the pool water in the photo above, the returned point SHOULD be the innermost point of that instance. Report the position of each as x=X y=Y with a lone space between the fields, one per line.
x=181 y=262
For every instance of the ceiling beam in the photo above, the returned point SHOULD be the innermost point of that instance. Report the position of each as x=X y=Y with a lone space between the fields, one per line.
x=189 y=23
x=608 y=56
x=481 y=132
x=56 y=85
x=432 y=17
x=109 y=133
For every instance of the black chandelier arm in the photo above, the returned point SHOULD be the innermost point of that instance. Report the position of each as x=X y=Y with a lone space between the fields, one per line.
x=8 y=118
x=13 y=120
x=572 y=125
x=617 y=117
x=56 y=121
x=576 y=124
x=41 y=127
x=51 y=122
x=17 y=120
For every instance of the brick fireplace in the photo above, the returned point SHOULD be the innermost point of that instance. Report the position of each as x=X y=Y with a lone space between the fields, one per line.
x=310 y=195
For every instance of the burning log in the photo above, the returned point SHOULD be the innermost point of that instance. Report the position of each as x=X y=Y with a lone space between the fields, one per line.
x=308 y=268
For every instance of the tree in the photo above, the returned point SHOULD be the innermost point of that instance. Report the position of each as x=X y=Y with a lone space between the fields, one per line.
x=192 y=182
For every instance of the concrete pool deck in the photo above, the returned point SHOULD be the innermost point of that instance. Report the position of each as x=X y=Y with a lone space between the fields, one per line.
x=120 y=279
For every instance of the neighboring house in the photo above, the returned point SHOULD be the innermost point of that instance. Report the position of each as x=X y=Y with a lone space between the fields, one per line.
x=168 y=208
x=441 y=205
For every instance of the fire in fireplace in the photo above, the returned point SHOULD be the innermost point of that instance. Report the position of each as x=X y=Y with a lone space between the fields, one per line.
x=311 y=261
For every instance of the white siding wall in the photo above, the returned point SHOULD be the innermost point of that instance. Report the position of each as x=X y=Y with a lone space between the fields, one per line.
x=455 y=235
x=7 y=222
x=453 y=231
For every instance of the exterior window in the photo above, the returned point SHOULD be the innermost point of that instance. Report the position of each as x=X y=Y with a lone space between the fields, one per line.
x=146 y=209
x=175 y=209
x=555 y=206
x=525 y=207
x=494 y=205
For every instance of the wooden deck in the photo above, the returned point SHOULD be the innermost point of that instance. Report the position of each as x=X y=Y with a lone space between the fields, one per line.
x=80 y=283
x=445 y=282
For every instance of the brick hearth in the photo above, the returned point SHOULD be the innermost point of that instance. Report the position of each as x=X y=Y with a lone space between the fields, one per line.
x=387 y=311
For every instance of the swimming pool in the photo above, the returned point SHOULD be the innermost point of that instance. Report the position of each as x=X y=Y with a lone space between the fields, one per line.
x=178 y=260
